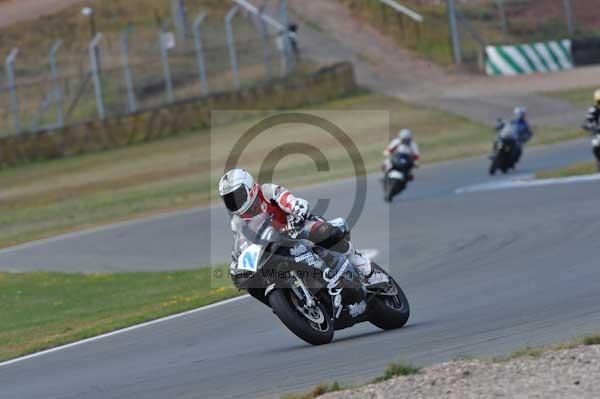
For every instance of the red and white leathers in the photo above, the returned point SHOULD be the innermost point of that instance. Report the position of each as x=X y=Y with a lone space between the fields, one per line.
x=284 y=207
x=398 y=146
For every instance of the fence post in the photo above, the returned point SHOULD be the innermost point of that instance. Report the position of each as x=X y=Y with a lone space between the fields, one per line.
x=56 y=90
x=503 y=20
x=231 y=45
x=289 y=56
x=12 y=88
x=200 y=53
x=456 y=49
x=94 y=60
x=127 y=70
x=569 y=16
x=179 y=19
x=264 y=35
x=164 y=53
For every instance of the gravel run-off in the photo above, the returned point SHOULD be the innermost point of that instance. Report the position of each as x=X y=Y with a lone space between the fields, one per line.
x=569 y=373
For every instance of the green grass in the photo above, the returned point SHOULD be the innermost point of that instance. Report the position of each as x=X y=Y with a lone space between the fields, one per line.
x=396 y=370
x=591 y=340
x=317 y=391
x=581 y=97
x=586 y=168
x=43 y=310
x=51 y=197
x=526 y=352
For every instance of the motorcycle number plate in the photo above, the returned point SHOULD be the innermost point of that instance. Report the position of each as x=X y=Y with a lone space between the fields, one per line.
x=248 y=260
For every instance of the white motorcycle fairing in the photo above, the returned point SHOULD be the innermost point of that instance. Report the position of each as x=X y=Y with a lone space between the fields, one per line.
x=396 y=174
x=249 y=258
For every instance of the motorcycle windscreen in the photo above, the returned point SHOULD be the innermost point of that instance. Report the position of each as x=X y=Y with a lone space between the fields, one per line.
x=256 y=230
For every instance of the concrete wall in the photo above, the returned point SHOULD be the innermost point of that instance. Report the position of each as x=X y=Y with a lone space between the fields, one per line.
x=326 y=84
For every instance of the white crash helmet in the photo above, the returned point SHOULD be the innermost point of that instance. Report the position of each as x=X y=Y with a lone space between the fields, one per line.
x=520 y=112
x=405 y=134
x=238 y=190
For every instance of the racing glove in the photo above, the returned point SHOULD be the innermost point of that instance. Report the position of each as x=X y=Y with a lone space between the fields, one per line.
x=300 y=213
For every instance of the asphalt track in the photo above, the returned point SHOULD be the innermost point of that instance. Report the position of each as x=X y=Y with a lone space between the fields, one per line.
x=486 y=273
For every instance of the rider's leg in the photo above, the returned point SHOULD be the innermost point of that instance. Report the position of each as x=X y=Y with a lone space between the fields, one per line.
x=333 y=238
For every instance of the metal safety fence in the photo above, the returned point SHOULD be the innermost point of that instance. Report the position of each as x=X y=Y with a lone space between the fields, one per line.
x=118 y=73
x=481 y=23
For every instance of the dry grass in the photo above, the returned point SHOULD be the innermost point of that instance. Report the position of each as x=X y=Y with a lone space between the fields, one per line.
x=47 y=198
x=585 y=168
x=581 y=97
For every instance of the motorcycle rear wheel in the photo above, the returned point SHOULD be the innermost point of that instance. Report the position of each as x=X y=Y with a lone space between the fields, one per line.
x=389 y=312
x=315 y=333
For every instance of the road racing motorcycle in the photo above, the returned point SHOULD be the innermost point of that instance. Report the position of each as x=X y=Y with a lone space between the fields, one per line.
x=397 y=177
x=505 y=153
x=313 y=291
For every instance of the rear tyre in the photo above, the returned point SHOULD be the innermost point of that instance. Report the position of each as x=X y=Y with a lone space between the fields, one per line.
x=389 y=312
x=317 y=331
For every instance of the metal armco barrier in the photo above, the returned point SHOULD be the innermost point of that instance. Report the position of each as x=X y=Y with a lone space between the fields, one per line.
x=528 y=58
x=586 y=51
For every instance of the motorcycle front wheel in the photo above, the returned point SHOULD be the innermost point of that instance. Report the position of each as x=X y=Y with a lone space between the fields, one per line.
x=493 y=167
x=311 y=324
x=389 y=311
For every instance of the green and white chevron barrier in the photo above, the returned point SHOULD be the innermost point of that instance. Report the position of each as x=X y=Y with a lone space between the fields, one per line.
x=528 y=58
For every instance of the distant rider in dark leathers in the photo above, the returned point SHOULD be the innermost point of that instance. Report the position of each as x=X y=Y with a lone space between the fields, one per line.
x=520 y=127
x=592 y=119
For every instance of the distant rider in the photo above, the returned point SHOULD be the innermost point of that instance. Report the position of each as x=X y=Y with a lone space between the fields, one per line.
x=244 y=198
x=522 y=129
x=403 y=143
x=592 y=120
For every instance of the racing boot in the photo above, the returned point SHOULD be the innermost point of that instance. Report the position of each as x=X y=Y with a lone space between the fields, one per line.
x=371 y=278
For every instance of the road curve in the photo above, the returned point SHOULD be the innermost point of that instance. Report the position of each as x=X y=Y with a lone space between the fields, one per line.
x=486 y=273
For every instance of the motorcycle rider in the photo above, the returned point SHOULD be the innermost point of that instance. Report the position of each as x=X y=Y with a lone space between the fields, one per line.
x=522 y=129
x=244 y=198
x=403 y=143
x=592 y=120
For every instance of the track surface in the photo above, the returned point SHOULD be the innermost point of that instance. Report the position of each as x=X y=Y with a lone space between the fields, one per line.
x=486 y=273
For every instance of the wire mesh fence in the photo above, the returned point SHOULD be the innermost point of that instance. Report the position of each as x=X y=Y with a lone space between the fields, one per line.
x=494 y=22
x=139 y=68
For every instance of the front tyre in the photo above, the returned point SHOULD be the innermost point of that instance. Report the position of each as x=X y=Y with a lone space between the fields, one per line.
x=493 y=167
x=389 y=312
x=313 y=325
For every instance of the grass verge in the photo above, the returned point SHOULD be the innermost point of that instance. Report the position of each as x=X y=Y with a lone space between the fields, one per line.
x=317 y=391
x=51 y=197
x=396 y=370
x=44 y=310
x=581 y=169
x=581 y=97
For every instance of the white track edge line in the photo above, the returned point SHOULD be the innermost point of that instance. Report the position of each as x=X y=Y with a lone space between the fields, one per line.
x=516 y=184
x=122 y=330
